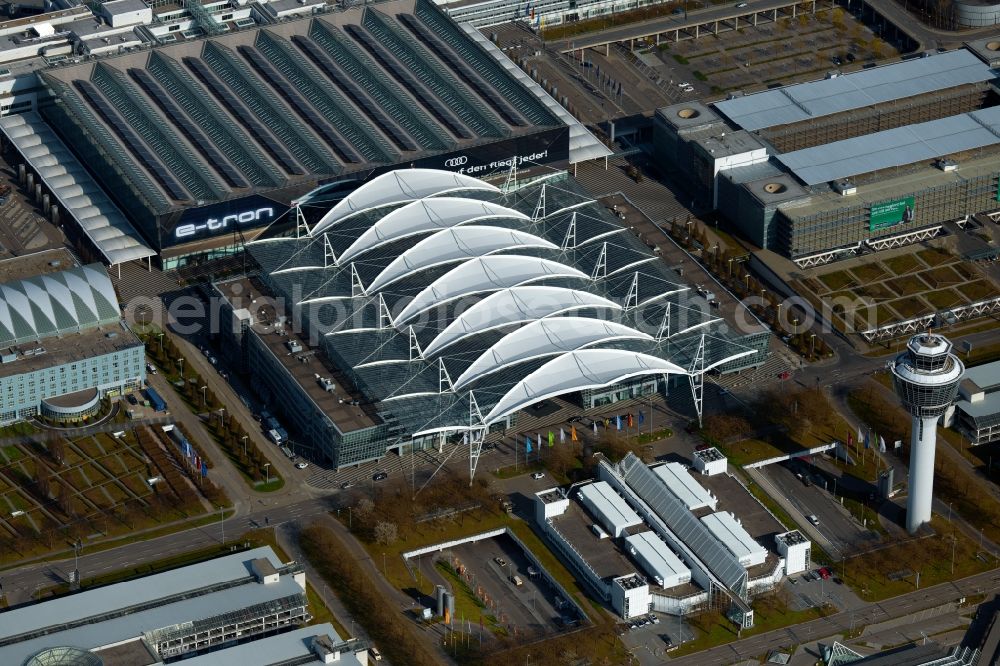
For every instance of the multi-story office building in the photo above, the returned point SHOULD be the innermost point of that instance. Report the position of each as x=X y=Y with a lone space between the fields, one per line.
x=63 y=344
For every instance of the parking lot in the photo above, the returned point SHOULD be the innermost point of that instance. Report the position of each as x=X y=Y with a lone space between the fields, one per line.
x=517 y=595
x=657 y=635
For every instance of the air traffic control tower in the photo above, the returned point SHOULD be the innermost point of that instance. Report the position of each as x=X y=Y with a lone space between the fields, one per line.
x=926 y=379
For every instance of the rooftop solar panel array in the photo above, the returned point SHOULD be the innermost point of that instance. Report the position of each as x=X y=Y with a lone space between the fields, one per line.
x=909 y=78
x=186 y=127
x=305 y=111
x=271 y=108
x=132 y=141
x=249 y=120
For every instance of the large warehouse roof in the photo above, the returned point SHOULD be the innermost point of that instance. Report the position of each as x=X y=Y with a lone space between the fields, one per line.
x=450 y=317
x=725 y=528
x=895 y=147
x=74 y=189
x=270 y=108
x=682 y=484
x=909 y=78
x=656 y=556
x=56 y=303
x=609 y=506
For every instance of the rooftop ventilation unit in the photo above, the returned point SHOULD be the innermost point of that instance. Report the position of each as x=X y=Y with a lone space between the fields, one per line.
x=845 y=187
x=946 y=165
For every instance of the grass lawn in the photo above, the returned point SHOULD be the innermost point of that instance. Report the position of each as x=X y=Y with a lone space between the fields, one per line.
x=876 y=291
x=932 y=256
x=904 y=263
x=978 y=290
x=944 y=298
x=751 y=451
x=12 y=453
x=941 y=276
x=931 y=556
x=908 y=308
x=868 y=273
x=837 y=281
x=907 y=285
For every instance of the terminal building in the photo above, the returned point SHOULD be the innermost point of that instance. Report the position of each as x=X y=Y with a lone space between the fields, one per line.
x=64 y=346
x=539 y=14
x=686 y=559
x=976 y=413
x=187 y=149
x=428 y=308
x=243 y=608
x=868 y=160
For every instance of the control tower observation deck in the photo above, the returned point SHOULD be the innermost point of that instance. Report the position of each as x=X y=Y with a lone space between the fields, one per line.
x=926 y=378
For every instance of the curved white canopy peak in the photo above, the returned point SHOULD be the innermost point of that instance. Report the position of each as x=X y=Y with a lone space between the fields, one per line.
x=423 y=216
x=514 y=305
x=577 y=371
x=397 y=187
x=449 y=245
x=485 y=274
x=546 y=337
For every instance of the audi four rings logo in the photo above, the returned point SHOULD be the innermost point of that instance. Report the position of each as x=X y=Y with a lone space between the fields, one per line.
x=456 y=161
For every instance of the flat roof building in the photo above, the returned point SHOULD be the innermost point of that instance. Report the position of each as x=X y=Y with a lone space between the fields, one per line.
x=727 y=529
x=190 y=610
x=63 y=343
x=608 y=507
x=977 y=410
x=656 y=558
x=682 y=483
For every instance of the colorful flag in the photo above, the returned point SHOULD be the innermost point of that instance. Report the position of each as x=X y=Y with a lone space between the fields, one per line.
x=204 y=469
x=881 y=444
x=868 y=441
x=607 y=423
x=562 y=435
x=850 y=440
x=538 y=438
x=631 y=420
x=861 y=437
x=552 y=438
x=618 y=420
x=898 y=444
x=641 y=417
x=595 y=426
x=527 y=444
x=572 y=433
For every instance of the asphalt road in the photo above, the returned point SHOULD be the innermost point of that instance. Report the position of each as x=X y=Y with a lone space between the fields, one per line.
x=806 y=632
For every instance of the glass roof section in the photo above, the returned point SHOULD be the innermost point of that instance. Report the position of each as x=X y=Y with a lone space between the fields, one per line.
x=485 y=274
x=422 y=216
x=545 y=337
x=397 y=187
x=579 y=370
x=452 y=245
x=516 y=304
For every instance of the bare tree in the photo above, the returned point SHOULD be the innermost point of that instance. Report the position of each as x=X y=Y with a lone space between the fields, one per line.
x=364 y=508
x=57 y=449
x=386 y=533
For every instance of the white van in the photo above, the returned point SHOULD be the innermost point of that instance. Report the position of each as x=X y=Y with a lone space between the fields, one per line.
x=274 y=436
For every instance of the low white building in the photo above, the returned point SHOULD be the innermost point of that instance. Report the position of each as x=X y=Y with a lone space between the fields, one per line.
x=630 y=596
x=685 y=487
x=549 y=504
x=710 y=462
x=726 y=528
x=657 y=559
x=796 y=550
x=608 y=507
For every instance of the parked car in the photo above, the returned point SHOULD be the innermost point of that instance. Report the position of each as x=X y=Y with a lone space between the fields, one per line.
x=813 y=519
x=301 y=465
x=346 y=484
x=538 y=475
x=380 y=476
x=375 y=654
x=824 y=573
x=741 y=5
x=500 y=561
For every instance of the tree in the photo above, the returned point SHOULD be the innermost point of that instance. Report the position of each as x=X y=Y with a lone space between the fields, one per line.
x=364 y=508
x=66 y=499
x=57 y=449
x=386 y=533
x=43 y=480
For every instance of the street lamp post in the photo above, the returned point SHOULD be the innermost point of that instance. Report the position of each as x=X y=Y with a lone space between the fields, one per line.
x=222 y=523
x=731 y=268
x=180 y=362
x=160 y=336
x=812 y=345
x=244 y=445
x=204 y=400
x=267 y=473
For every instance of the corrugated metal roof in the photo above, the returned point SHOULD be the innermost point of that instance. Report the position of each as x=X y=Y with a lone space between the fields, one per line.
x=74 y=189
x=657 y=556
x=895 y=147
x=985 y=376
x=603 y=498
x=277 y=649
x=803 y=101
x=131 y=593
x=680 y=482
x=737 y=540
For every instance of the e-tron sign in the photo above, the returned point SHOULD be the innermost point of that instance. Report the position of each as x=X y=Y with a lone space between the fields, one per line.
x=211 y=225
x=225 y=217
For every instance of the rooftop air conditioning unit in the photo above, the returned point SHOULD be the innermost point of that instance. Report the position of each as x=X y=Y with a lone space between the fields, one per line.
x=845 y=187
x=946 y=165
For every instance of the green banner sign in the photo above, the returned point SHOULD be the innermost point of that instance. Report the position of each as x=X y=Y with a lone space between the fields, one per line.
x=890 y=213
